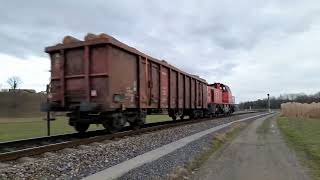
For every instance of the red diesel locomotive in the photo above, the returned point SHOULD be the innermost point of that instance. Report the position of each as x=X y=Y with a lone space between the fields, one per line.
x=103 y=81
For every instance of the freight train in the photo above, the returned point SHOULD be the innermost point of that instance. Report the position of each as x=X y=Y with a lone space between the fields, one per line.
x=103 y=81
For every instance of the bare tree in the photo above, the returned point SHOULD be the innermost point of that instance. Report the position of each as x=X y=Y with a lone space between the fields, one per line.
x=14 y=82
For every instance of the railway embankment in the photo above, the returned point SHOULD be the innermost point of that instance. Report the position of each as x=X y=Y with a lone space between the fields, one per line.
x=82 y=161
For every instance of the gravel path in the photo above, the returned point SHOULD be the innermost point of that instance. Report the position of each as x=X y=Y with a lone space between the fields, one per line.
x=86 y=160
x=259 y=152
x=161 y=168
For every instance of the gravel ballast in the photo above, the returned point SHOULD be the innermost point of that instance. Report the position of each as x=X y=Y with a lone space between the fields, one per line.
x=82 y=162
x=161 y=168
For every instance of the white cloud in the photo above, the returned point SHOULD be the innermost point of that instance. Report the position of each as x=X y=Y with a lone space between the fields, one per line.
x=33 y=71
x=290 y=65
x=256 y=47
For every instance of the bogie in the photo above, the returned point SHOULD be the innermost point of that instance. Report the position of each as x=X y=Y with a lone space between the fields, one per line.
x=81 y=127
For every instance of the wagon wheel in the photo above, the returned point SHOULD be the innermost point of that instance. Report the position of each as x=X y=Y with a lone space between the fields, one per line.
x=81 y=127
x=194 y=115
x=191 y=116
x=201 y=115
x=139 y=121
x=182 y=117
x=115 y=124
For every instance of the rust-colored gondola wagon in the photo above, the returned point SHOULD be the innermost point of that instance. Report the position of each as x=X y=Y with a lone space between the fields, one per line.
x=103 y=81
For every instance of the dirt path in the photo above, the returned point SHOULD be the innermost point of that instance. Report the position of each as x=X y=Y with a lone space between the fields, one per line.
x=259 y=152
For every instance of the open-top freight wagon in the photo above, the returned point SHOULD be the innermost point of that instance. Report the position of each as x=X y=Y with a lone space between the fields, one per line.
x=103 y=81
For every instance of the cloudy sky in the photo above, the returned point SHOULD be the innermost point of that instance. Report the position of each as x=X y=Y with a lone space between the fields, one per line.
x=254 y=46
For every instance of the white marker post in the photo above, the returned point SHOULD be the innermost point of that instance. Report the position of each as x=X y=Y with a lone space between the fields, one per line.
x=268 y=102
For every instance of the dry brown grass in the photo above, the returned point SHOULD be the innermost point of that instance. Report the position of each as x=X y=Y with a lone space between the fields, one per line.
x=19 y=104
x=293 y=109
x=223 y=136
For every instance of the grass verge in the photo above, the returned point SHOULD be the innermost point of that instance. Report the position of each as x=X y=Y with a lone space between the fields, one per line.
x=22 y=128
x=304 y=136
x=17 y=128
x=217 y=142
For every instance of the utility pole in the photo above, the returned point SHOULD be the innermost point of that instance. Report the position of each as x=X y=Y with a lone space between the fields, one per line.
x=269 y=102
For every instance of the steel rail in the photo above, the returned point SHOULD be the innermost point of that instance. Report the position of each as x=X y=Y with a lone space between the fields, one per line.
x=40 y=149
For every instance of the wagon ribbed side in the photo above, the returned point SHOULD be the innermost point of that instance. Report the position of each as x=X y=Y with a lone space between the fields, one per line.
x=101 y=80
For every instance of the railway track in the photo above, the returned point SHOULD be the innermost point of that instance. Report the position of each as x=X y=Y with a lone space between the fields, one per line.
x=13 y=150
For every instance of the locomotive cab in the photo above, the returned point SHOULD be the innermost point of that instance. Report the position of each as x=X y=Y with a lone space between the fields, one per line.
x=220 y=99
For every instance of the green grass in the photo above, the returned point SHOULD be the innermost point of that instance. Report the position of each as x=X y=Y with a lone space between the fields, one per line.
x=157 y=118
x=22 y=128
x=304 y=136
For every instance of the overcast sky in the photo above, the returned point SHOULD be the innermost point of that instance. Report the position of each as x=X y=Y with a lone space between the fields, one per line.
x=256 y=47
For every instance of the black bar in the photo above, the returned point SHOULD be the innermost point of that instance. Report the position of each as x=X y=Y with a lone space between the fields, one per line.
x=48 y=113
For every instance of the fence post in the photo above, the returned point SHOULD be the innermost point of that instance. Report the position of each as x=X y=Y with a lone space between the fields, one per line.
x=48 y=112
x=269 y=102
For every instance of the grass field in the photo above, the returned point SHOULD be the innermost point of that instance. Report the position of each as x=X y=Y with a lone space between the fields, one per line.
x=304 y=136
x=21 y=128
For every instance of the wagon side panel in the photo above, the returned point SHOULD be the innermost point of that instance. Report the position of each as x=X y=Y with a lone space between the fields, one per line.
x=142 y=83
x=123 y=79
x=164 y=85
x=154 y=84
x=74 y=88
x=98 y=68
x=181 y=90
x=187 y=91
x=173 y=89
x=193 y=94
x=80 y=75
